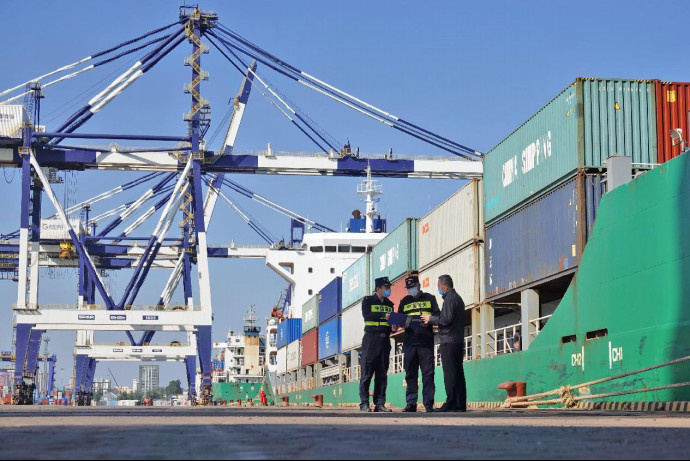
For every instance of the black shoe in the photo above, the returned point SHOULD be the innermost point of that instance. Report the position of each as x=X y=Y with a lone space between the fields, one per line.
x=382 y=409
x=445 y=408
x=364 y=408
x=410 y=408
x=429 y=408
x=461 y=410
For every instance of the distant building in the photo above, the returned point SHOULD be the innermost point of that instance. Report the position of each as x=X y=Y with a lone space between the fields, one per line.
x=148 y=378
x=101 y=386
x=135 y=385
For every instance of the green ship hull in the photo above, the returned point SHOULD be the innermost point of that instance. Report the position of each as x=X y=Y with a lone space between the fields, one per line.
x=627 y=308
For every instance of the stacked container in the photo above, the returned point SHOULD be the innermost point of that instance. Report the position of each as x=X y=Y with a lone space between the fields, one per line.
x=451 y=242
x=356 y=285
x=396 y=255
x=294 y=356
x=352 y=327
x=289 y=330
x=672 y=106
x=310 y=314
x=552 y=154
x=329 y=338
x=330 y=300
x=310 y=347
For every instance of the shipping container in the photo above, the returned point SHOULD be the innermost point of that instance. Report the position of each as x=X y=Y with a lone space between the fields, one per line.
x=672 y=106
x=310 y=347
x=294 y=355
x=453 y=224
x=310 y=314
x=542 y=240
x=356 y=281
x=466 y=268
x=353 y=327
x=281 y=360
x=12 y=119
x=330 y=300
x=589 y=121
x=54 y=229
x=396 y=254
x=329 y=338
x=289 y=330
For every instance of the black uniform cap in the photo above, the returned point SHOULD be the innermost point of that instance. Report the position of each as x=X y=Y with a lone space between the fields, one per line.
x=411 y=281
x=381 y=282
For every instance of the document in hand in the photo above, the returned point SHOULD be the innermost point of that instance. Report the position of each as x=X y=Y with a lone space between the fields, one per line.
x=397 y=319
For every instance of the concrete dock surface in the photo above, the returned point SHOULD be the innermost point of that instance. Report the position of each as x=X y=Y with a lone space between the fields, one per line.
x=43 y=432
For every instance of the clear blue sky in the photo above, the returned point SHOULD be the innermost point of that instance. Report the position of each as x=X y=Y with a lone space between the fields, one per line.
x=472 y=71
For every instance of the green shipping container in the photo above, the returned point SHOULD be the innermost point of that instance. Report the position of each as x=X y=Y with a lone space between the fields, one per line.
x=310 y=314
x=589 y=121
x=356 y=281
x=396 y=254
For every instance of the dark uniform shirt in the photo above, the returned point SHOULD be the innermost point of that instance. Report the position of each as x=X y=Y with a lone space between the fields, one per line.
x=374 y=312
x=417 y=334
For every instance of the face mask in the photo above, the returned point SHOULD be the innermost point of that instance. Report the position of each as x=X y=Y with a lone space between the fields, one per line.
x=414 y=292
x=440 y=291
x=387 y=293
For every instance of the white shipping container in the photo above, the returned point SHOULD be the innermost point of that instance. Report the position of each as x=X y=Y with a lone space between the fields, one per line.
x=352 y=327
x=451 y=225
x=282 y=360
x=54 y=229
x=294 y=355
x=12 y=118
x=466 y=268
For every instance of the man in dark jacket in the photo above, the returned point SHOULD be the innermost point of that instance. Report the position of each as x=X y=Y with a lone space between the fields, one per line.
x=451 y=325
x=376 y=346
x=418 y=345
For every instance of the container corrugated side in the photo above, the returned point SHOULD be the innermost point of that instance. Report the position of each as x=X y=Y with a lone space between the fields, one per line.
x=294 y=355
x=398 y=292
x=281 y=360
x=580 y=128
x=465 y=268
x=310 y=314
x=672 y=106
x=330 y=301
x=353 y=327
x=310 y=348
x=543 y=239
x=356 y=281
x=289 y=330
x=396 y=254
x=451 y=225
x=329 y=338
x=12 y=119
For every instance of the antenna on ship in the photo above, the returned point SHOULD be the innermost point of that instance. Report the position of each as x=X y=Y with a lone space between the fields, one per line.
x=371 y=190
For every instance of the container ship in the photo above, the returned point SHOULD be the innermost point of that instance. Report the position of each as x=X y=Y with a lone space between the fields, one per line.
x=574 y=241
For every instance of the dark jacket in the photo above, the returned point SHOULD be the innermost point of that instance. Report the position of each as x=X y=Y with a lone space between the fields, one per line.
x=451 y=322
x=417 y=334
x=374 y=313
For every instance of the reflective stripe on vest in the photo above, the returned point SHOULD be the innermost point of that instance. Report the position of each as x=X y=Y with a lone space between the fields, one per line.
x=417 y=308
x=376 y=324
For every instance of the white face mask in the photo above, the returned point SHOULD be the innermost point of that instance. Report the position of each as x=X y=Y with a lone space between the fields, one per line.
x=414 y=292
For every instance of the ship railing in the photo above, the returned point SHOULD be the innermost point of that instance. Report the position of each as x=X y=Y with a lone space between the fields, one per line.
x=102 y=307
x=397 y=364
x=467 y=355
x=352 y=373
x=500 y=340
x=311 y=383
x=539 y=324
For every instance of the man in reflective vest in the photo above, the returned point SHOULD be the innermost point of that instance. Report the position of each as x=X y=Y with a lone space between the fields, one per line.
x=418 y=345
x=376 y=346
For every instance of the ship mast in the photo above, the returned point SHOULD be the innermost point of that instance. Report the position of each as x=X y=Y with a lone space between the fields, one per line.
x=370 y=189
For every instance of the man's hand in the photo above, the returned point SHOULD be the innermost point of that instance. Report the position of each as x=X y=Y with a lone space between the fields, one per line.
x=425 y=318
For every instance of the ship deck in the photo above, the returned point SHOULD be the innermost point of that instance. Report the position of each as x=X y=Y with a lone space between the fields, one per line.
x=335 y=433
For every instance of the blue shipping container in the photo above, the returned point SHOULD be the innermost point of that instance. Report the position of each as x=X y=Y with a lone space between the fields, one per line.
x=329 y=338
x=543 y=240
x=289 y=330
x=331 y=300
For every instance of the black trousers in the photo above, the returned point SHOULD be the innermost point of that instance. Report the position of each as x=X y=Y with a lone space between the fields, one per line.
x=376 y=353
x=454 y=375
x=416 y=358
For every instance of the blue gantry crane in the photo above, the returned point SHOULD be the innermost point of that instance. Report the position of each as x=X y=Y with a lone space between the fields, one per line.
x=175 y=177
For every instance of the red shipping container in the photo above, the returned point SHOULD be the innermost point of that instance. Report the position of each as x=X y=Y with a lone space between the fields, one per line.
x=398 y=292
x=672 y=106
x=310 y=347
